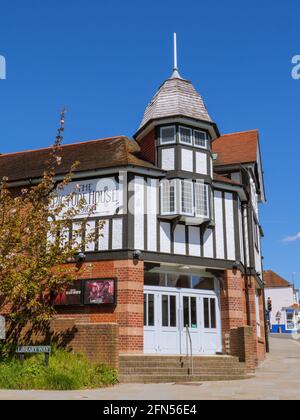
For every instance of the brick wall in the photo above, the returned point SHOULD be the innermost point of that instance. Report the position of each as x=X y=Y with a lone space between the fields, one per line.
x=232 y=302
x=98 y=341
x=241 y=346
x=128 y=312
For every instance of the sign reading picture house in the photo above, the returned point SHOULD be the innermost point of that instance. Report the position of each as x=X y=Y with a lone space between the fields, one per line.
x=102 y=197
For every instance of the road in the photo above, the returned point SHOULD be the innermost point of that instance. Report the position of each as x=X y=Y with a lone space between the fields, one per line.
x=278 y=378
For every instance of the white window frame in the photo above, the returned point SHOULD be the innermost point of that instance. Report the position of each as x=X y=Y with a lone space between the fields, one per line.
x=191 y=135
x=161 y=137
x=170 y=182
x=206 y=139
x=187 y=181
x=207 y=198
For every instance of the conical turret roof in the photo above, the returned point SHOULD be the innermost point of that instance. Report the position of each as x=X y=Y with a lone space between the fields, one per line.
x=176 y=97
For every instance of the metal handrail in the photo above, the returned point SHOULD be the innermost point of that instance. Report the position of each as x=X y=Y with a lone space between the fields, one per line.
x=189 y=340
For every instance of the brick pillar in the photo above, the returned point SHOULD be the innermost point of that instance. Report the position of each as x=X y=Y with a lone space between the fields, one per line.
x=241 y=345
x=232 y=302
x=130 y=309
x=252 y=310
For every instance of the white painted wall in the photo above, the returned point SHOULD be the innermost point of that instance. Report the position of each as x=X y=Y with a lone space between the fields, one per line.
x=152 y=211
x=230 y=236
x=194 y=241
x=208 y=248
x=187 y=160
x=165 y=237
x=168 y=159
x=139 y=211
x=117 y=233
x=179 y=240
x=282 y=297
x=219 y=224
x=201 y=163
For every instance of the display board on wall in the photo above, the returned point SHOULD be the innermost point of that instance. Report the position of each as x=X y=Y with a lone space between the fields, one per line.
x=88 y=292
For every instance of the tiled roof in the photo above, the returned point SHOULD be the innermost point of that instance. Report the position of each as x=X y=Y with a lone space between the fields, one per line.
x=176 y=97
x=236 y=148
x=91 y=155
x=272 y=279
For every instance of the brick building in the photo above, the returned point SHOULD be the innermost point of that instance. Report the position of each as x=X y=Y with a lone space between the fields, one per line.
x=179 y=253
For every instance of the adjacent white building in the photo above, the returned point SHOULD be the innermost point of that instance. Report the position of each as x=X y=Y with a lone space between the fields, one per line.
x=284 y=316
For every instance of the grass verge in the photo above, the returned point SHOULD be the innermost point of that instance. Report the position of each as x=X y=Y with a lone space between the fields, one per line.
x=66 y=371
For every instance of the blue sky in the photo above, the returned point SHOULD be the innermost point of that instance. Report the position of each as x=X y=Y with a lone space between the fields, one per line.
x=104 y=60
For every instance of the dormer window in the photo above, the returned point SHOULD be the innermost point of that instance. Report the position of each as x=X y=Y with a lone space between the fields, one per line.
x=184 y=197
x=185 y=135
x=200 y=139
x=168 y=134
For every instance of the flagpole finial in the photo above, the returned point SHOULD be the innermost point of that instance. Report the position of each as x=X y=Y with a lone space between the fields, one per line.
x=175 y=74
x=175 y=52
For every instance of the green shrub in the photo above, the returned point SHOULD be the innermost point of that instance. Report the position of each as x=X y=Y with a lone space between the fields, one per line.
x=66 y=371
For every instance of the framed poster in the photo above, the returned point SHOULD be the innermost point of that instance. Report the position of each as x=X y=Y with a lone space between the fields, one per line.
x=72 y=296
x=100 y=292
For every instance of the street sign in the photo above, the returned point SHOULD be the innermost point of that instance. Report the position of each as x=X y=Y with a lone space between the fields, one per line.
x=33 y=349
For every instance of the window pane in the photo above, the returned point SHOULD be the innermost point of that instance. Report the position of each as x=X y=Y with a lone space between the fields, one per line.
x=154 y=279
x=186 y=312
x=173 y=316
x=145 y=310
x=201 y=199
x=165 y=311
x=213 y=313
x=185 y=135
x=203 y=283
x=200 y=138
x=167 y=197
x=193 y=312
x=150 y=310
x=206 y=312
x=187 y=197
x=184 y=281
x=167 y=134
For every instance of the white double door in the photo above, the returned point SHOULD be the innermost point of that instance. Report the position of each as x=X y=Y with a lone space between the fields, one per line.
x=170 y=313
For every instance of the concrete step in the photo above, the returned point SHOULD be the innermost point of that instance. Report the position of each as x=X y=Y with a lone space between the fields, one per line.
x=162 y=364
x=179 y=378
x=181 y=371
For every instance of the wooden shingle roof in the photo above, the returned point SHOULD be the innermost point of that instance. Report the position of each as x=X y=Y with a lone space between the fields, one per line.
x=91 y=155
x=176 y=97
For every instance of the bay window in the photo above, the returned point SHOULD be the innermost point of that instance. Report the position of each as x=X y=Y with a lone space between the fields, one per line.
x=184 y=197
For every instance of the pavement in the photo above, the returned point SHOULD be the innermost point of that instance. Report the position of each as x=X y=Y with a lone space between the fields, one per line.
x=278 y=378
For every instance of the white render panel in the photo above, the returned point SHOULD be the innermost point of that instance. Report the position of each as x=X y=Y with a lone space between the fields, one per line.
x=139 y=211
x=90 y=230
x=187 y=160
x=165 y=237
x=230 y=234
x=152 y=211
x=208 y=244
x=179 y=240
x=219 y=225
x=104 y=236
x=201 y=163
x=117 y=233
x=241 y=232
x=194 y=241
x=168 y=159
x=246 y=233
